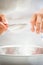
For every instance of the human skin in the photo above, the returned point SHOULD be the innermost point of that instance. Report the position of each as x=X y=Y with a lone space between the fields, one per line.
x=9 y=51
x=38 y=51
x=37 y=22
x=3 y=23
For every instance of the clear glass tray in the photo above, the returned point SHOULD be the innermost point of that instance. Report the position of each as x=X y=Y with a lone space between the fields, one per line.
x=12 y=50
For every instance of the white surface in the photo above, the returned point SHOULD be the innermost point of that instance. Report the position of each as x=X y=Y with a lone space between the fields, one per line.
x=21 y=37
x=20 y=5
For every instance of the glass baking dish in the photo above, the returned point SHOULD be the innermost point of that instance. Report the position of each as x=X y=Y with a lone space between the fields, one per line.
x=12 y=50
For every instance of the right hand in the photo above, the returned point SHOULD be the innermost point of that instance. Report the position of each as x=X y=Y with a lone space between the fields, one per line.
x=37 y=22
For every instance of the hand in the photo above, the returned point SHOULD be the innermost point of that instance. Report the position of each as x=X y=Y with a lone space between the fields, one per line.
x=37 y=22
x=3 y=24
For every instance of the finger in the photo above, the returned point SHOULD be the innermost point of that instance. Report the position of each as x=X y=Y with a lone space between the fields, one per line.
x=3 y=19
x=5 y=22
x=2 y=27
x=37 y=27
x=2 y=16
x=33 y=22
x=38 y=24
x=42 y=26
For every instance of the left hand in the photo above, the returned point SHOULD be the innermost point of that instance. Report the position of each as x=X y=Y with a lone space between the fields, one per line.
x=3 y=23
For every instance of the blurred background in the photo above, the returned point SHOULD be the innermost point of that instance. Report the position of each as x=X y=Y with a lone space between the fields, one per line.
x=20 y=5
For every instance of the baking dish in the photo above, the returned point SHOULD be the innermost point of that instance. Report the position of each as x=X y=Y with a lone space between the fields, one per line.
x=21 y=56
x=21 y=50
